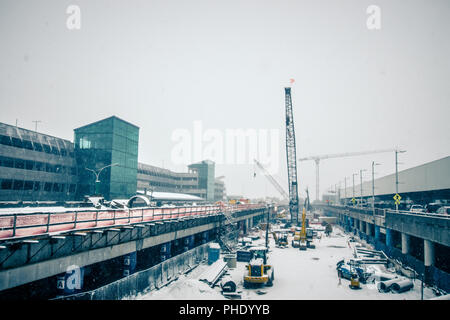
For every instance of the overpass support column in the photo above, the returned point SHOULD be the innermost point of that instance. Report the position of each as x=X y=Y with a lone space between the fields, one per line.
x=165 y=251
x=129 y=263
x=361 y=225
x=388 y=237
x=377 y=232
x=428 y=253
x=405 y=243
x=368 y=230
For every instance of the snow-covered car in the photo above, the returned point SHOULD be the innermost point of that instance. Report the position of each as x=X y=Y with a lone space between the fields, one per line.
x=443 y=210
x=432 y=207
x=417 y=208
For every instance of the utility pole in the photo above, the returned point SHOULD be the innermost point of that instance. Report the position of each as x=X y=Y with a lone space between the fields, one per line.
x=267 y=228
x=360 y=175
x=35 y=124
x=373 y=183
x=353 y=175
x=345 y=187
x=396 y=173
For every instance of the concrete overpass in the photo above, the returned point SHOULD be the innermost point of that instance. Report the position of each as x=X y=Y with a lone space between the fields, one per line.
x=423 y=236
x=36 y=257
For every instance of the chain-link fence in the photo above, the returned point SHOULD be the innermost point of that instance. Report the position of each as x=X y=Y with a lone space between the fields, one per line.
x=146 y=280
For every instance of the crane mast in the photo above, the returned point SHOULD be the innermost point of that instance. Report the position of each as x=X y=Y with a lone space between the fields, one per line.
x=291 y=158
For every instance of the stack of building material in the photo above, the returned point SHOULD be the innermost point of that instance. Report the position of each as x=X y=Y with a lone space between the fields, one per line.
x=214 y=273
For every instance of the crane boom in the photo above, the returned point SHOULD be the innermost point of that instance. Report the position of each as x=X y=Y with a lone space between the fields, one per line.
x=272 y=180
x=338 y=155
x=291 y=158
x=347 y=154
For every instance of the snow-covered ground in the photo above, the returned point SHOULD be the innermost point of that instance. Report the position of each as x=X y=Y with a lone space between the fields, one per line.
x=309 y=274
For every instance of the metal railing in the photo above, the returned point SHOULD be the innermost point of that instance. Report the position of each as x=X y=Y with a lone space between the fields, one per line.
x=37 y=223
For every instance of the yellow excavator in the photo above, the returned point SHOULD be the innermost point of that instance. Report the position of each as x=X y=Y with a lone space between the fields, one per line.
x=302 y=235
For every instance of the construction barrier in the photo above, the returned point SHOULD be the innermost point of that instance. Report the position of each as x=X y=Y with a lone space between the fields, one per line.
x=146 y=280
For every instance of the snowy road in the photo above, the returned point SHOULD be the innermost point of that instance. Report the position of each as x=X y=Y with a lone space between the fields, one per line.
x=309 y=274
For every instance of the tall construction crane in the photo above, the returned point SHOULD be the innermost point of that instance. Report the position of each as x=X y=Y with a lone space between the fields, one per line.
x=272 y=180
x=338 y=155
x=291 y=158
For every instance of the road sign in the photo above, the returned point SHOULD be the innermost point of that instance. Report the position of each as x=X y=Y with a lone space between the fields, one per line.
x=397 y=198
x=353 y=200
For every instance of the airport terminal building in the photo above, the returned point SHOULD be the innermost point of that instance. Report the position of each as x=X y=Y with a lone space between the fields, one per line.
x=102 y=159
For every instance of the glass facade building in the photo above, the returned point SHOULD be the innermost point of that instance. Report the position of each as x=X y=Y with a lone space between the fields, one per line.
x=110 y=142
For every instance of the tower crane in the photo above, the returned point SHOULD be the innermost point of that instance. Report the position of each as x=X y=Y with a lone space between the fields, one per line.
x=272 y=180
x=291 y=158
x=338 y=155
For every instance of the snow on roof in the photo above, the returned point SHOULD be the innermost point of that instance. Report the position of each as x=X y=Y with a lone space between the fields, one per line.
x=156 y=195
x=258 y=248
x=214 y=245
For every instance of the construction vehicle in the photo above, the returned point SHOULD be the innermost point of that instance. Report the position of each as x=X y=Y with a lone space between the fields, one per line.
x=303 y=238
x=306 y=235
x=354 y=282
x=353 y=271
x=281 y=240
x=259 y=272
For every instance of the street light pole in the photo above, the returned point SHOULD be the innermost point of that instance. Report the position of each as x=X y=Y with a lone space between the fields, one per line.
x=373 y=183
x=360 y=175
x=345 y=187
x=353 y=175
x=97 y=174
x=396 y=173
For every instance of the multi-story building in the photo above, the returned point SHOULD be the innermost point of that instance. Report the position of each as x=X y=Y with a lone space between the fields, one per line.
x=164 y=180
x=35 y=166
x=205 y=170
x=219 y=190
x=110 y=142
x=103 y=159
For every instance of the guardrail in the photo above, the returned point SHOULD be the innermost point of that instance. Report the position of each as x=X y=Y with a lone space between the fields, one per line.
x=382 y=212
x=36 y=223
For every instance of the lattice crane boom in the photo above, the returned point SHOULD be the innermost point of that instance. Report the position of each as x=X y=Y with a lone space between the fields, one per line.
x=291 y=158
x=272 y=180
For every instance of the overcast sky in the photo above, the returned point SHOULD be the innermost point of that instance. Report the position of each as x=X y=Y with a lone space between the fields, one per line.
x=164 y=64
